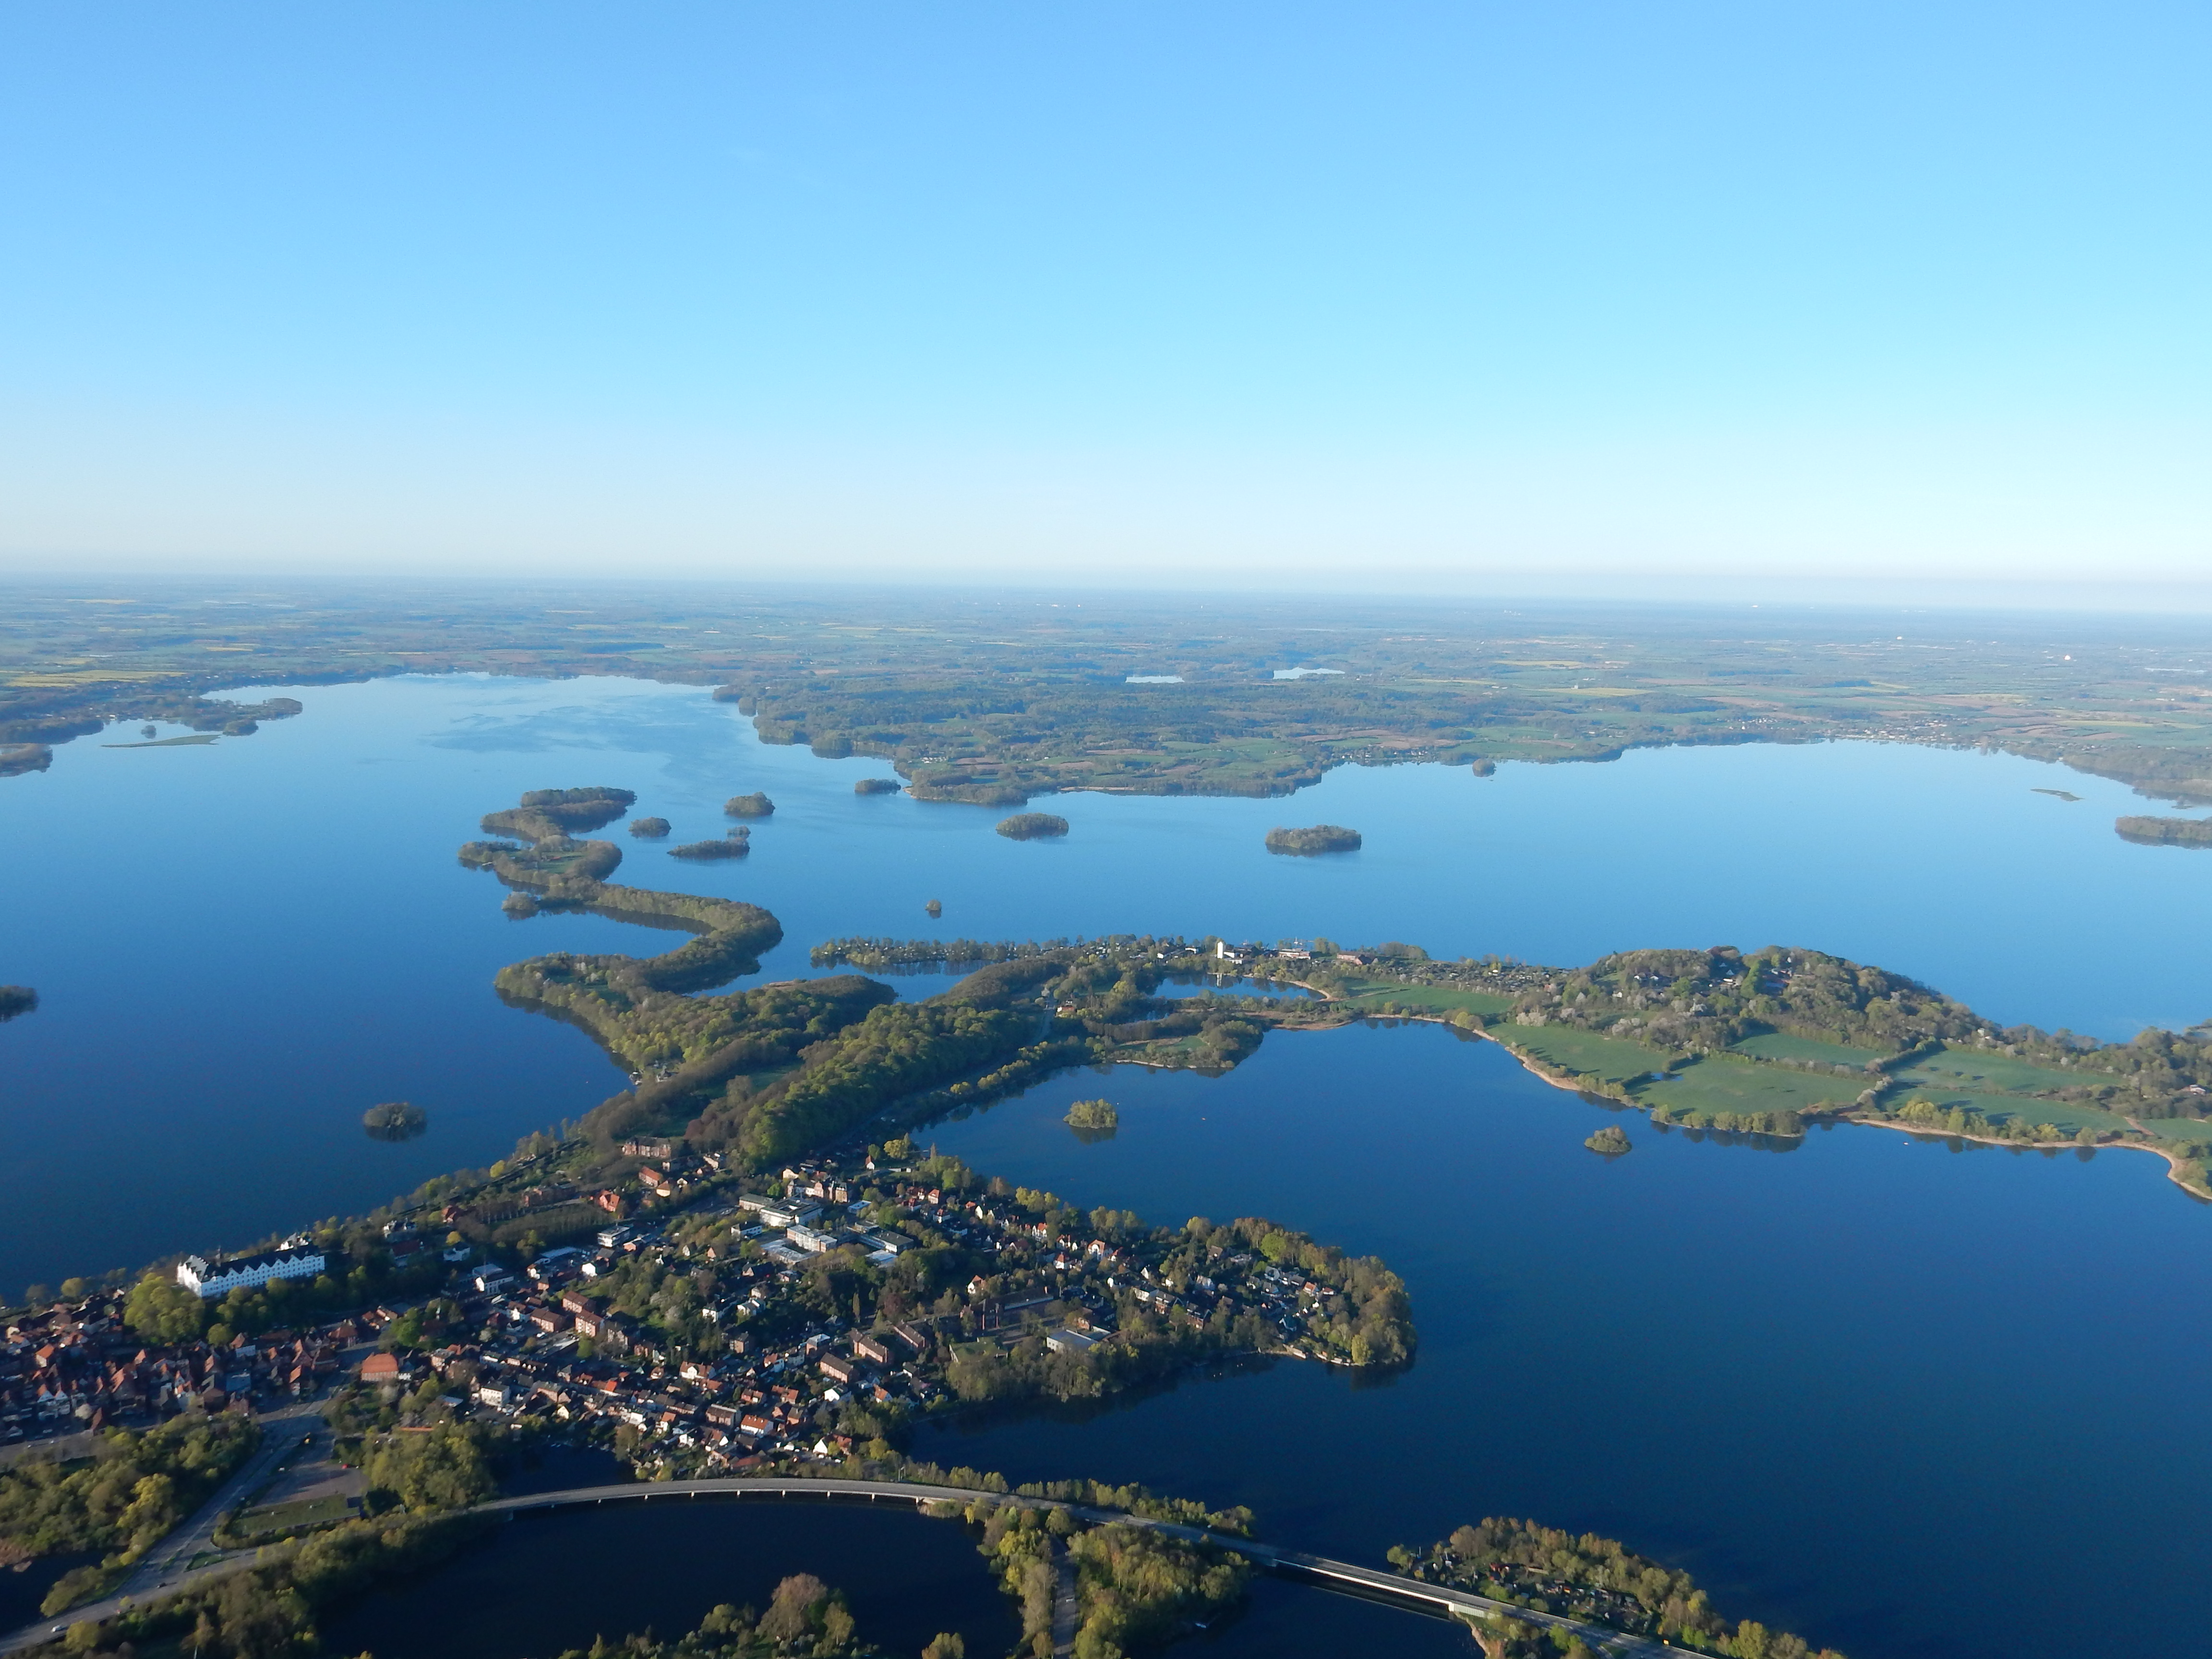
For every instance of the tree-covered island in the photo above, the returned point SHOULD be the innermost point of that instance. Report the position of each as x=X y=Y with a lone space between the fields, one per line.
x=1094 y=1114
x=649 y=829
x=755 y=805
x=734 y=844
x=1313 y=840
x=1033 y=826
x=16 y=1000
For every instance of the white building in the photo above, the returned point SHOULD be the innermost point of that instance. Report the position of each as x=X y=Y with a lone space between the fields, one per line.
x=195 y=1273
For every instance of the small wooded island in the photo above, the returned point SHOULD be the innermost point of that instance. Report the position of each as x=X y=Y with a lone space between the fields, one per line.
x=878 y=786
x=546 y=813
x=648 y=829
x=1611 y=1141
x=16 y=1000
x=1032 y=826
x=1094 y=1114
x=735 y=845
x=395 y=1120
x=1319 y=838
x=2165 y=832
x=755 y=805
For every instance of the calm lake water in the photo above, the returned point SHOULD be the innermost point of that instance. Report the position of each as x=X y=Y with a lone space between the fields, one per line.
x=1906 y=1399
x=1884 y=1391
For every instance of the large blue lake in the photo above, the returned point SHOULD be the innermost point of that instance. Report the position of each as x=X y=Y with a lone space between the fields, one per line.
x=1910 y=1400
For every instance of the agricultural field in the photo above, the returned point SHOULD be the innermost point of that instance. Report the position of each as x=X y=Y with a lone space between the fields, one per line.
x=1563 y=1048
x=1444 y=999
x=1775 y=1045
x=1720 y=1084
x=1970 y=1068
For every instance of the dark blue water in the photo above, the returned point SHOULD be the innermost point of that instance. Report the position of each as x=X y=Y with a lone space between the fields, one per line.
x=555 y=1582
x=550 y=1582
x=242 y=946
x=1888 y=1393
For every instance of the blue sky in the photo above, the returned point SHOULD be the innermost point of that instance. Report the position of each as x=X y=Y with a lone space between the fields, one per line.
x=1422 y=294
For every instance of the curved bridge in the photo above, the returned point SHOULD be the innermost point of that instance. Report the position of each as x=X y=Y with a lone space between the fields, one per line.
x=1344 y=1578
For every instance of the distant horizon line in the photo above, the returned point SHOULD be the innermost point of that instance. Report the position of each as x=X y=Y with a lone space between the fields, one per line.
x=2147 y=597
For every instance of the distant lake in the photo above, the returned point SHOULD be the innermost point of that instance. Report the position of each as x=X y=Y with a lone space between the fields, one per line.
x=1909 y=1399
x=240 y=947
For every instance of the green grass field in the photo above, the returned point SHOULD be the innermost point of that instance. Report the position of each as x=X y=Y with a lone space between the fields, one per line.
x=1444 y=999
x=1969 y=1068
x=1720 y=1084
x=1565 y=1048
x=1774 y=1045
x=289 y=1517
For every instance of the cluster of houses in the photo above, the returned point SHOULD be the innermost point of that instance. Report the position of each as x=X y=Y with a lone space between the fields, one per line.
x=77 y=1366
x=547 y=1343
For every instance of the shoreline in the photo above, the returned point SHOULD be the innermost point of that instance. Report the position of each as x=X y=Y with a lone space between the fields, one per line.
x=2174 y=1162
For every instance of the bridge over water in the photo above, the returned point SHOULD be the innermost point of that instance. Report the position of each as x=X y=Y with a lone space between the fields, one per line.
x=1343 y=1577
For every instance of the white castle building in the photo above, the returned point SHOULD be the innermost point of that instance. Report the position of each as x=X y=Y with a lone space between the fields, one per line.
x=198 y=1274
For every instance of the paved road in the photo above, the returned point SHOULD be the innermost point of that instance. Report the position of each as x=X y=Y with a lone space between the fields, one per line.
x=284 y=1436
x=1340 y=1575
x=1063 y=1602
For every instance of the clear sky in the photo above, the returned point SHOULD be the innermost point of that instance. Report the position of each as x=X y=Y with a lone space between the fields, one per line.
x=1421 y=295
